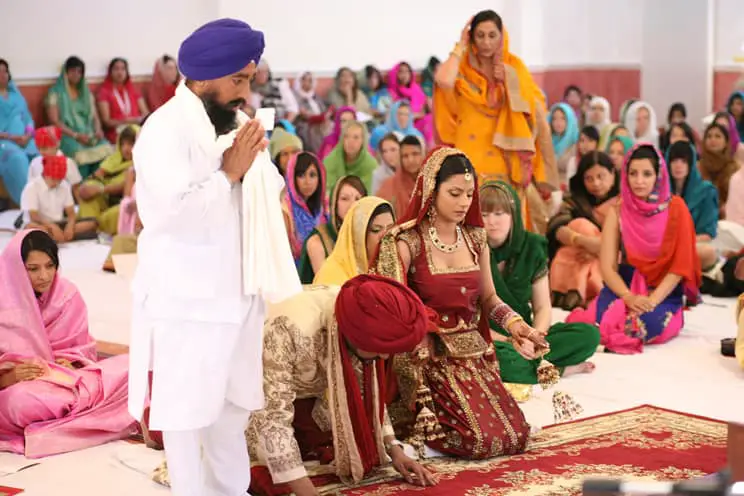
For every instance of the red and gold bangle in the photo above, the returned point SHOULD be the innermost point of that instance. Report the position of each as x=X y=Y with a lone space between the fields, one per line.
x=503 y=315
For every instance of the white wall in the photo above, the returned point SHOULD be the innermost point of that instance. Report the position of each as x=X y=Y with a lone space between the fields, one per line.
x=581 y=33
x=321 y=35
x=330 y=33
x=729 y=33
x=36 y=36
x=677 y=57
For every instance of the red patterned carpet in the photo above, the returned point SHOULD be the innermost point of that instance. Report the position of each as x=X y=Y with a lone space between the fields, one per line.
x=642 y=443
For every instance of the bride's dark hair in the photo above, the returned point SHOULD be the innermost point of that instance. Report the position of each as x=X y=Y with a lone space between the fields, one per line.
x=453 y=166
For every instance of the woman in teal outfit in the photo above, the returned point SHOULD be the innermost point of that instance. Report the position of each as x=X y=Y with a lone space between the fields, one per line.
x=17 y=145
x=519 y=267
x=71 y=107
x=700 y=196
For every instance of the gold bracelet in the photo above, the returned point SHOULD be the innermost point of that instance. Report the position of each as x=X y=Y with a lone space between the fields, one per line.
x=458 y=51
x=511 y=321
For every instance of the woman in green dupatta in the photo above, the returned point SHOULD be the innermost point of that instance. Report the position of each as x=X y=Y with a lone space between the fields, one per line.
x=519 y=267
x=351 y=156
x=71 y=107
x=347 y=191
x=101 y=194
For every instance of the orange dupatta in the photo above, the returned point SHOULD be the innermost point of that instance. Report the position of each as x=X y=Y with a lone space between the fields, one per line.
x=509 y=146
x=678 y=251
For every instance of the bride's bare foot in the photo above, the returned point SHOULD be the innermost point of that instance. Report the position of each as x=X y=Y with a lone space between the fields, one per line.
x=582 y=368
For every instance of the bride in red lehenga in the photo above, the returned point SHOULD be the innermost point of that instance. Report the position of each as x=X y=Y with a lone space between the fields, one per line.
x=451 y=382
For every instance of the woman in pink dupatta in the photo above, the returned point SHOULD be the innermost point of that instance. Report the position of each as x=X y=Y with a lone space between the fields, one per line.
x=653 y=234
x=55 y=396
x=128 y=219
x=402 y=85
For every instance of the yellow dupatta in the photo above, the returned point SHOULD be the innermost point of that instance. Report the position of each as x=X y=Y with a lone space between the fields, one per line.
x=115 y=164
x=495 y=137
x=349 y=257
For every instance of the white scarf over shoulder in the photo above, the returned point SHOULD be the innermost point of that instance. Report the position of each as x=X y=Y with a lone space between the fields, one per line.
x=268 y=266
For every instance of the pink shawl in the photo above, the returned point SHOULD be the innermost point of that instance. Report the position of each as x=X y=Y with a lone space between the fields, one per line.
x=734 y=138
x=643 y=223
x=413 y=92
x=48 y=328
x=127 y=216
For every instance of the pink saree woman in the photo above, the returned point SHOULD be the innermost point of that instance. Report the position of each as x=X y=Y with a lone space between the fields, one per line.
x=55 y=396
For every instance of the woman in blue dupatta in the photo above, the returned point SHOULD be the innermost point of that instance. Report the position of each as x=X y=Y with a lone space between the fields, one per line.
x=71 y=107
x=304 y=205
x=377 y=93
x=564 y=128
x=399 y=120
x=17 y=145
x=700 y=196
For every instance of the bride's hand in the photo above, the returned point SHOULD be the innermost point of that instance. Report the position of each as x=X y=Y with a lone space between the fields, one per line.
x=423 y=351
x=520 y=331
x=525 y=348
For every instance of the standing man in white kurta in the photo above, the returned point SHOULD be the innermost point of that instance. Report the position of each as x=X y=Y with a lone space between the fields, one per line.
x=191 y=325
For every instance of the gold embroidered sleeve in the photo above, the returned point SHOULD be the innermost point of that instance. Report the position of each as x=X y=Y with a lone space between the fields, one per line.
x=387 y=426
x=412 y=239
x=478 y=237
x=277 y=446
x=409 y=378
x=388 y=262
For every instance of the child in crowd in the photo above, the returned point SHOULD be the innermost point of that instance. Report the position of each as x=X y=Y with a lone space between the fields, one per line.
x=47 y=140
x=48 y=202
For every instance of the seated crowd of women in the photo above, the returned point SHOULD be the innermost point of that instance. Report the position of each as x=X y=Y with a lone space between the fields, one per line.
x=706 y=173
x=84 y=157
x=461 y=246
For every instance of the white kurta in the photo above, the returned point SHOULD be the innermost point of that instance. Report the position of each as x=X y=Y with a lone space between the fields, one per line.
x=191 y=325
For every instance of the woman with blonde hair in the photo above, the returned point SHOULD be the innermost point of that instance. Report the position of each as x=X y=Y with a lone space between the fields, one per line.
x=351 y=156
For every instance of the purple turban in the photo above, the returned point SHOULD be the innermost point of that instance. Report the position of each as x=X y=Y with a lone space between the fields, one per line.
x=218 y=49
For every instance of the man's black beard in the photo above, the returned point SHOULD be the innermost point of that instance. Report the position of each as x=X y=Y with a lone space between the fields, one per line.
x=222 y=116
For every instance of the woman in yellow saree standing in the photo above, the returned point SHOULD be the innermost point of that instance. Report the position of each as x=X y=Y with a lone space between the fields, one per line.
x=487 y=105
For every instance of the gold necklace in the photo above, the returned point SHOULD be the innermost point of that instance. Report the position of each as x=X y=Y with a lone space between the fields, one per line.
x=442 y=246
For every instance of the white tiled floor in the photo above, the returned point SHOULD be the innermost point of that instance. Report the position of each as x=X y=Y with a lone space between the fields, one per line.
x=688 y=374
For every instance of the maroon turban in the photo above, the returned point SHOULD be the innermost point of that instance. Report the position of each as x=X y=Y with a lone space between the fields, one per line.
x=379 y=315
